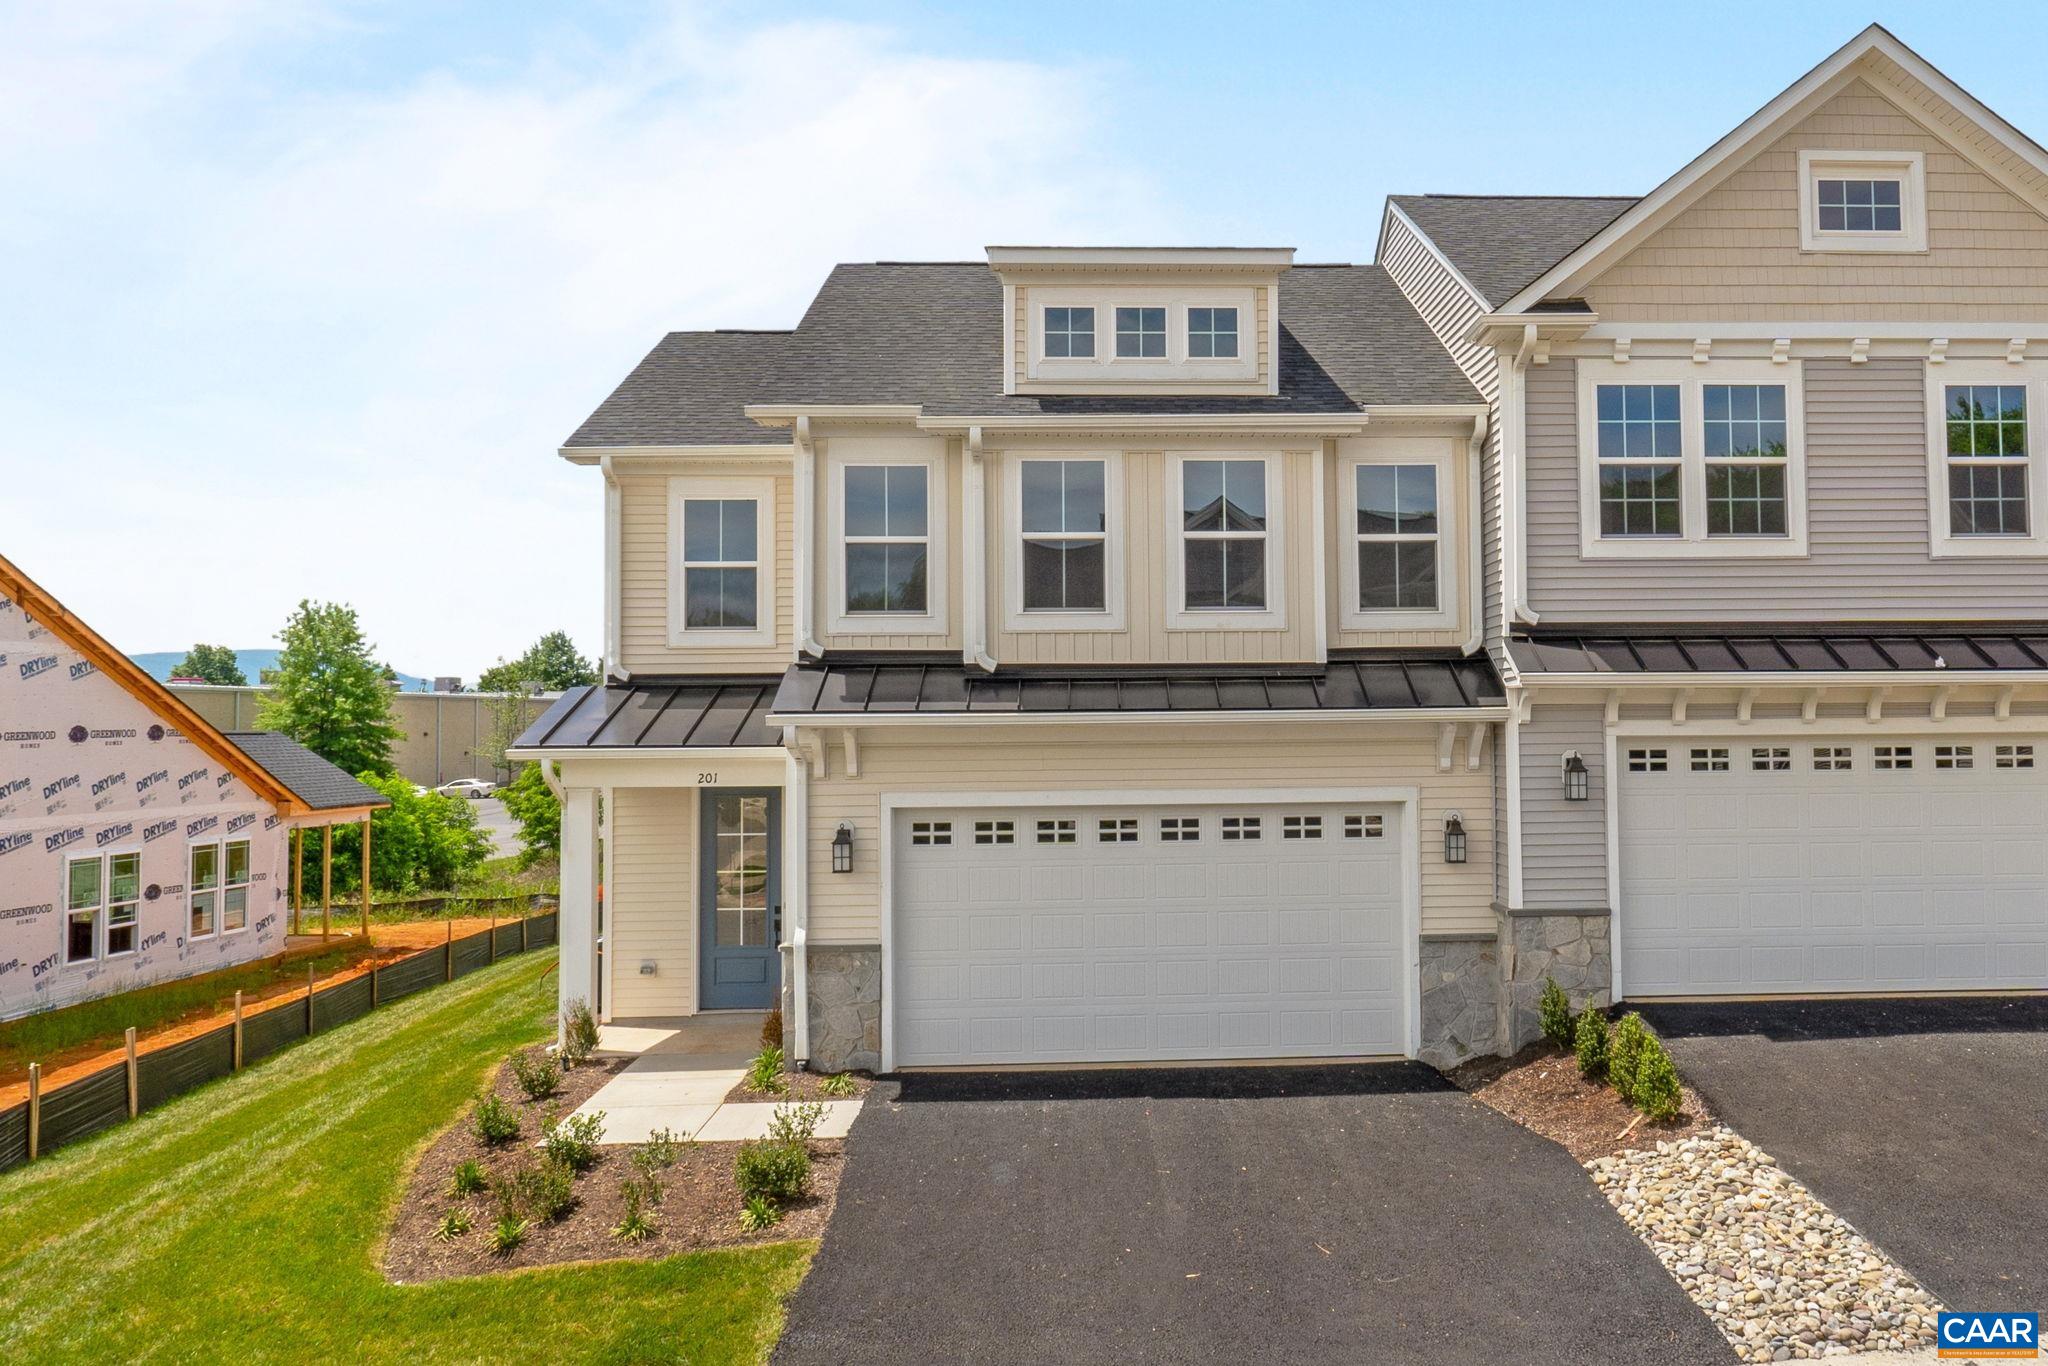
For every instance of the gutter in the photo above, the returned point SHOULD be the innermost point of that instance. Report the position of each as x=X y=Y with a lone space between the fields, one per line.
x=974 y=558
x=1387 y=716
x=806 y=536
x=1475 y=563
x=614 y=500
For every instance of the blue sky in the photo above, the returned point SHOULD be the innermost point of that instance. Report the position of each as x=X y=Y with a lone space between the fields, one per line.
x=301 y=297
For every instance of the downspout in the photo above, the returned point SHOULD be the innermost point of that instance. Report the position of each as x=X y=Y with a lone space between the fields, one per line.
x=551 y=774
x=1475 y=558
x=797 y=894
x=1514 y=532
x=806 y=537
x=614 y=516
x=974 y=559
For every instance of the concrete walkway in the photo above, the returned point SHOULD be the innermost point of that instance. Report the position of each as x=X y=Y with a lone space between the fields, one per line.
x=679 y=1079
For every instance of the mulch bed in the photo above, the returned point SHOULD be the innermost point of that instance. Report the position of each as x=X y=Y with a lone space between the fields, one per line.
x=1540 y=1089
x=802 y=1086
x=699 y=1206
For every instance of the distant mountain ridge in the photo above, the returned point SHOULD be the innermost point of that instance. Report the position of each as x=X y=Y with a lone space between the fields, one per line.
x=159 y=663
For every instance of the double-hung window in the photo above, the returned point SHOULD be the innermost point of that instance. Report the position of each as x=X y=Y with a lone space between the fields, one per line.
x=1224 y=535
x=721 y=561
x=85 y=891
x=1398 y=541
x=234 y=894
x=1986 y=463
x=1064 y=523
x=887 y=519
x=202 y=890
x=1687 y=459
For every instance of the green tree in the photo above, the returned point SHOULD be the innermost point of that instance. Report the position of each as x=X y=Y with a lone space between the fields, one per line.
x=328 y=693
x=422 y=842
x=530 y=802
x=214 y=663
x=550 y=664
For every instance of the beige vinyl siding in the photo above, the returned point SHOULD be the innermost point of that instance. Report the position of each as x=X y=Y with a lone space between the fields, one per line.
x=1867 y=519
x=1020 y=340
x=1564 y=843
x=1735 y=254
x=653 y=901
x=845 y=907
x=1262 y=323
x=1340 y=542
x=644 y=575
x=955 y=537
x=1150 y=541
x=1449 y=308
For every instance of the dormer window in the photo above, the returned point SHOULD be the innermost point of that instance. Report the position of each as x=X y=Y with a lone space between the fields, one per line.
x=1141 y=333
x=1070 y=333
x=1212 y=333
x=1862 y=201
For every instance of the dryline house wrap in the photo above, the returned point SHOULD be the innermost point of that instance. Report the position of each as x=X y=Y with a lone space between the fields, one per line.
x=137 y=843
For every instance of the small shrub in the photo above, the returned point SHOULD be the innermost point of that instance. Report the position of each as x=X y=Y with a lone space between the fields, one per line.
x=1656 y=1092
x=771 y=1029
x=1590 y=1043
x=795 y=1123
x=764 y=1073
x=494 y=1121
x=453 y=1225
x=1624 y=1050
x=542 y=1193
x=509 y=1232
x=658 y=1153
x=537 y=1074
x=779 y=1171
x=1554 y=1010
x=839 y=1084
x=758 y=1213
x=572 y=1141
x=637 y=1223
x=469 y=1179
x=579 y=1034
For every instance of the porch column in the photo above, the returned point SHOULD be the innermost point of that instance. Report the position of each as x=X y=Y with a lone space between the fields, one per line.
x=366 y=877
x=576 y=929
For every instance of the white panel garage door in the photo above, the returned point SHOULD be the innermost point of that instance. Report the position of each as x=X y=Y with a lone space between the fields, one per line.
x=1118 y=934
x=1757 y=865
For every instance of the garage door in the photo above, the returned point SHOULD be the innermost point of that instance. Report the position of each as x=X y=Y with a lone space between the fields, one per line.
x=1845 y=864
x=1128 y=934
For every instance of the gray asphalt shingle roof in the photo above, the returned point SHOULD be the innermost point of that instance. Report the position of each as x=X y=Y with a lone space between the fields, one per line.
x=313 y=780
x=930 y=334
x=1501 y=243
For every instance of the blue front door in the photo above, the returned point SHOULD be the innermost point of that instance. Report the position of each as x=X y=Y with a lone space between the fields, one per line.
x=740 y=895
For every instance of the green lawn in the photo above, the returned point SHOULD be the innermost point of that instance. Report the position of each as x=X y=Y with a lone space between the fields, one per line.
x=244 y=1221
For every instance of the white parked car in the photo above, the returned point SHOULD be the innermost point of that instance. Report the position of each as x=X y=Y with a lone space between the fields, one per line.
x=472 y=788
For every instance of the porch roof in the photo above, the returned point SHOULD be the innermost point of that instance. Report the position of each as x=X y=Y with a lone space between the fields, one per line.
x=1785 y=650
x=692 y=713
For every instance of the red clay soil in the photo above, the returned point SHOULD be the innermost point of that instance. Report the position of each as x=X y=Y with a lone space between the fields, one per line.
x=1540 y=1089
x=699 y=1205
x=388 y=944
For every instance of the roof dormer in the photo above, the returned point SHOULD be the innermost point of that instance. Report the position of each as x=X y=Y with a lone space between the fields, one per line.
x=1141 y=320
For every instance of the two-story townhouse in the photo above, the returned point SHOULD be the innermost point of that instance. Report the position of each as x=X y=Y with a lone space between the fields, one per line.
x=1769 y=584
x=1073 y=655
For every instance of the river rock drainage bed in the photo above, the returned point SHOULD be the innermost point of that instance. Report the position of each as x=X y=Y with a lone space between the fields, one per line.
x=1781 y=1275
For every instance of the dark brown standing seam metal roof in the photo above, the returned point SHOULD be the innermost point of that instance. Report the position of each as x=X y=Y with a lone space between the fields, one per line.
x=1841 y=649
x=710 y=713
x=1387 y=682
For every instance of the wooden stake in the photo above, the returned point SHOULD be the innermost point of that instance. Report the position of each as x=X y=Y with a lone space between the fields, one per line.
x=366 y=877
x=448 y=954
x=35 y=1109
x=309 y=1000
x=326 y=881
x=298 y=879
x=494 y=934
x=134 y=1090
x=522 y=932
x=238 y=1031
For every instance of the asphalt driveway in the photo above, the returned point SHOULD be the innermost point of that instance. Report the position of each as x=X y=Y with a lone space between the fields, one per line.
x=1922 y=1122
x=1344 y=1213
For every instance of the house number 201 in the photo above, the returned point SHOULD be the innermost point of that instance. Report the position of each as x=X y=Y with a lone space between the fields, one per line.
x=706 y=779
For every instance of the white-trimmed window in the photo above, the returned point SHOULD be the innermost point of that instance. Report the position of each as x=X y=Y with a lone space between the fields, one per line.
x=1227 y=572
x=1710 y=761
x=886 y=525
x=1986 y=466
x=124 y=900
x=85 y=892
x=1240 y=827
x=1212 y=333
x=234 y=891
x=1862 y=201
x=202 y=891
x=1364 y=827
x=721 y=561
x=1180 y=829
x=1111 y=337
x=1070 y=333
x=1955 y=756
x=1140 y=333
x=1057 y=831
x=1062 y=562
x=1684 y=459
x=1892 y=757
x=1116 y=830
x=931 y=832
x=995 y=832
x=1301 y=827
x=1832 y=759
x=1649 y=761
x=1771 y=759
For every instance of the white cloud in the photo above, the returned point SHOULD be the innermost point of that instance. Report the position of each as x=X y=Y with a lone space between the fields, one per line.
x=291 y=343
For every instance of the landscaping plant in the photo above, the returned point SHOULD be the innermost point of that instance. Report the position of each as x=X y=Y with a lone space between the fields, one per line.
x=453 y=1225
x=658 y=1153
x=1554 y=1010
x=542 y=1193
x=1656 y=1091
x=795 y=1123
x=1589 y=1041
x=637 y=1223
x=494 y=1121
x=839 y=1084
x=579 y=1034
x=537 y=1074
x=779 y=1171
x=509 y=1232
x=469 y=1179
x=1624 y=1049
x=771 y=1029
x=758 y=1213
x=764 y=1073
x=572 y=1141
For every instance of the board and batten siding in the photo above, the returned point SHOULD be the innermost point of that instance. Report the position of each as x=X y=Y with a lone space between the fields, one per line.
x=1455 y=548
x=845 y=908
x=644 y=585
x=955 y=538
x=1867 y=520
x=1564 y=843
x=652 y=910
x=1443 y=302
x=1735 y=255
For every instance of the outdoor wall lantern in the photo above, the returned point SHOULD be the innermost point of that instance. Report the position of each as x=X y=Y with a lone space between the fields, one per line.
x=842 y=848
x=1454 y=839
x=1576 y=783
